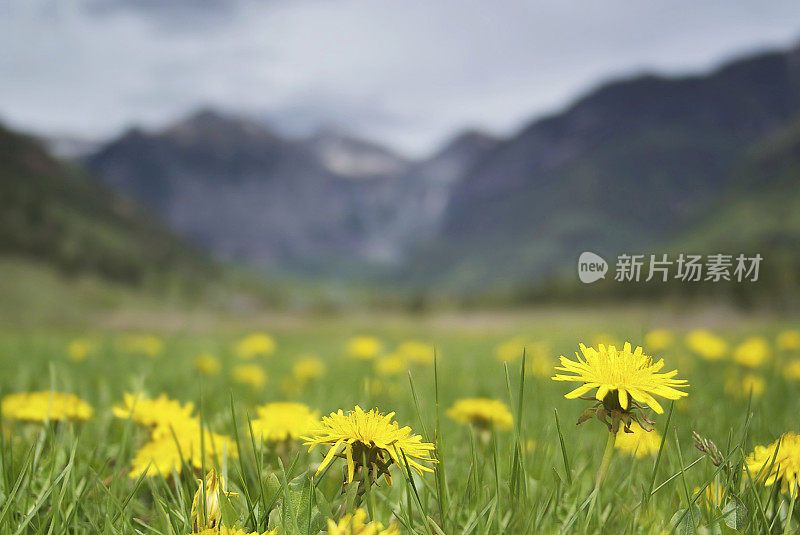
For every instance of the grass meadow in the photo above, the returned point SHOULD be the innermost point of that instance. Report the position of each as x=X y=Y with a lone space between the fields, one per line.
x=538 y=476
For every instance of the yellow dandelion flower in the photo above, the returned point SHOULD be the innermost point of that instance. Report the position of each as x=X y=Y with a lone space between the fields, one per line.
x=788 y=340
x=742 y=388
x=364 y=347
x=391 y=365
x=156 y=457
x=147 y=345
x=372 y=436
x=786 y=466
x=282 y=421
x=622 y=375
x=605 y=339
x=357 y=524
x=45 y=405
x=792 y=370
x=638 y=442
x=510 y=350
x=207 y=364
x=754 y=383
x=482 y=412
x=168 y=444
x=79 y=349
x=206 y=507
x=417 y=352
x=308 y=368
x=752 y=352
x=152 y=412
x=251 y=375
x=658 y=339
x=255 y=345
x=707 y=344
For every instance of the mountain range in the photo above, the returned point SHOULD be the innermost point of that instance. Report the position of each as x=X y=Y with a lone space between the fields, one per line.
x=52 y=213
x=628 y=166
x=313 y=205
x=636 y=163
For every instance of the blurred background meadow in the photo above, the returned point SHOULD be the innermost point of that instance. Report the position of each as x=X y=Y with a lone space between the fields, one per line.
x=345 y=203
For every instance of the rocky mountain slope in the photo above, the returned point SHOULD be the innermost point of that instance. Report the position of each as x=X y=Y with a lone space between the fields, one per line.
x=246 y=193
x=630 y=164
x=634 y=163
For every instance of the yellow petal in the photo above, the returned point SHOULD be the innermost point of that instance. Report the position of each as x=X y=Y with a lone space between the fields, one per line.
x=581 y=390
x=623 y=398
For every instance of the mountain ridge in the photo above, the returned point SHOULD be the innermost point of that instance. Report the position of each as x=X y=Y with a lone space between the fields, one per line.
x=631 y=163
x=54 y=214
x=626 y=165
x=248 y=194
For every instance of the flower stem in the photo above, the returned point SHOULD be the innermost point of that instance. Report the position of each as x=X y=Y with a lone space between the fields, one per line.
x=601 y=472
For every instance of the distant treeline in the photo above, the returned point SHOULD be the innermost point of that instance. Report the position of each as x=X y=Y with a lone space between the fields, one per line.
x=51 y=212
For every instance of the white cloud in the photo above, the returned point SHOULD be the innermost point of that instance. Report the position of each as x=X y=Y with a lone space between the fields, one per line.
x=409 y=73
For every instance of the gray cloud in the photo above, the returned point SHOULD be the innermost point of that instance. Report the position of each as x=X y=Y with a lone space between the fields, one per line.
x=409 y=73
x=164 y=14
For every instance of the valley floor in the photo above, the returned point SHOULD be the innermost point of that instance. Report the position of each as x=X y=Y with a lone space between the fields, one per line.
x=532 y=471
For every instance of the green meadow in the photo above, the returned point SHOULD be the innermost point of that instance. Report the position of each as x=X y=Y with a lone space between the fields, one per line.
x=539 y=476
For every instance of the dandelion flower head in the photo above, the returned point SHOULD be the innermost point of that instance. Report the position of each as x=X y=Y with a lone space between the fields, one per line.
x=307 y=368
x=251 y=375
x=786 y=465
x=255 y=345
x=181 y=441
x=364 y=347
x=707 y=344
x=742 y=388
x=45 y=405
x=357 y=524
x=752 y=352
x=281 y=421
x=207 y=364
x=638 y=442
x=482 y=412
x=371 y=435
x=152 y=412
x=622 y=373
x=394 y=364
x=510 y=350
x=658 y=339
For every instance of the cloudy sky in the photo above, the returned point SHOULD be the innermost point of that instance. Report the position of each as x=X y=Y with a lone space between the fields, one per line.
x=408 y=73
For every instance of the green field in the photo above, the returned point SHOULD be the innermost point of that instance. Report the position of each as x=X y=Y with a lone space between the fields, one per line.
x=73 y=477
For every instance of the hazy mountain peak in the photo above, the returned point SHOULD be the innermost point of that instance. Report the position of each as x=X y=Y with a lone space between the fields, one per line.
x=348 y=156
x=211 y=126
x=626 y=165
